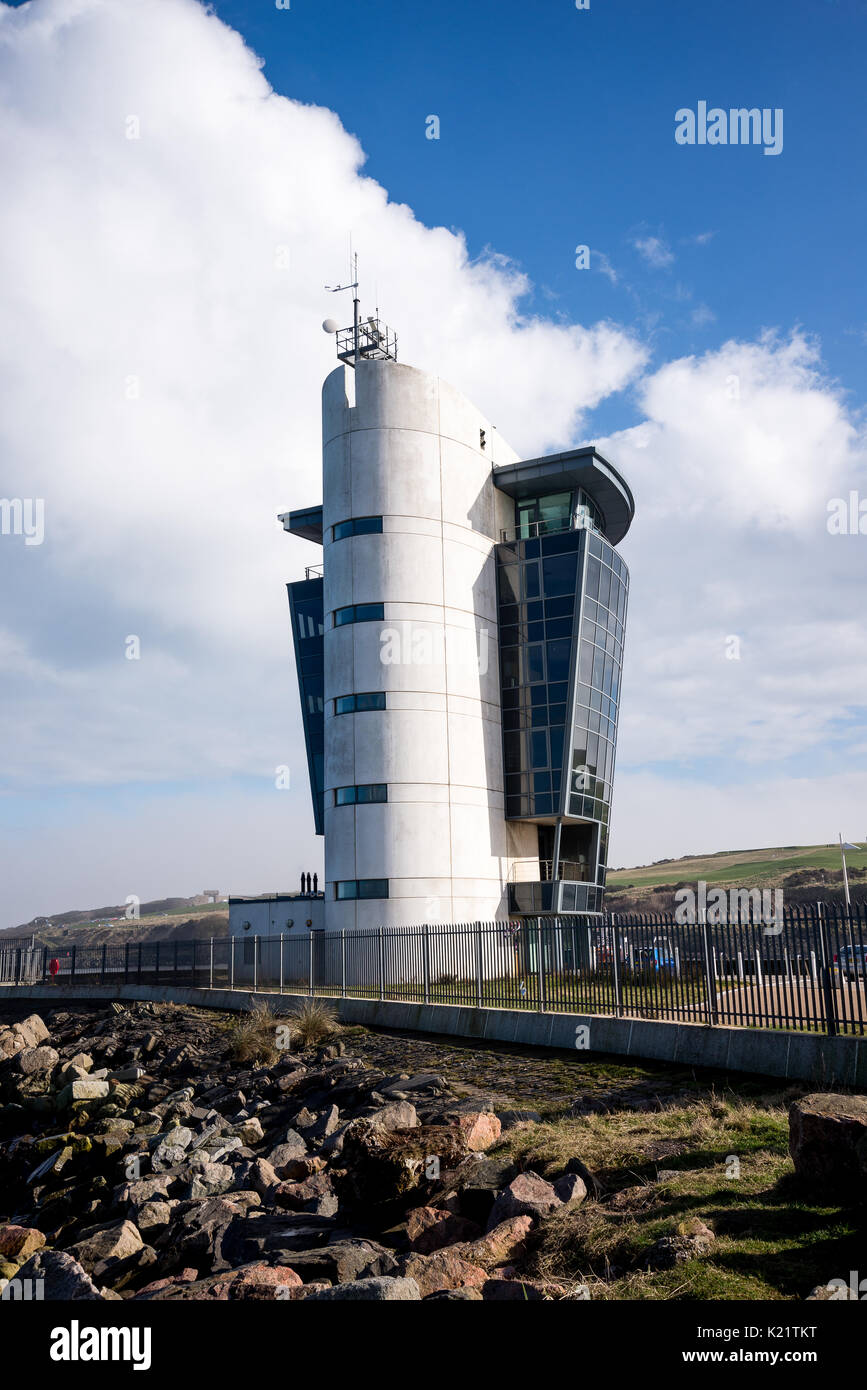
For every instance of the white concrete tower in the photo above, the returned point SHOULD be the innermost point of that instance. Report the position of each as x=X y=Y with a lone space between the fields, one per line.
x=413 y=762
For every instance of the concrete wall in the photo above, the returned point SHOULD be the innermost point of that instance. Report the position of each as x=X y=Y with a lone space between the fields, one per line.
x=409 y=450
x=820 y=1061
x=269 y=916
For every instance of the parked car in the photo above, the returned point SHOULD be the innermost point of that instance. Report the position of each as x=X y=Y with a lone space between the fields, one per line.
x=852 y=961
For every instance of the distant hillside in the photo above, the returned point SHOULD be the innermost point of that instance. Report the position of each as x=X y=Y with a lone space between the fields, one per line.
x=159 y=920
x=805 y=873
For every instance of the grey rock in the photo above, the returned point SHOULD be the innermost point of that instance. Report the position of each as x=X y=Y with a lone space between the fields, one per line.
x=384 y=1289
x=64 y=1278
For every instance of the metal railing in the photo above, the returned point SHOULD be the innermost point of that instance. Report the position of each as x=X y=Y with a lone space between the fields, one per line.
x=806 y=970
x=539 y=871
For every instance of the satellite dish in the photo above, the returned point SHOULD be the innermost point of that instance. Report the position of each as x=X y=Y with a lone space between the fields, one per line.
x=330 y=326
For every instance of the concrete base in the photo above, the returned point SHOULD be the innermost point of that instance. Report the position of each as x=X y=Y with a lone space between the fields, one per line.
x=811 y=1057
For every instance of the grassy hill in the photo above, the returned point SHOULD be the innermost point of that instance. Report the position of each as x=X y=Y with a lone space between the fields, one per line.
x=805 y=873
x=161 y=920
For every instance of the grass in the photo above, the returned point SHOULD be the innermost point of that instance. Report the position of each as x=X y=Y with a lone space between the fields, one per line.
x=253 y=1036
x=773 y=1240
x=746 y=868
x=312 y=1022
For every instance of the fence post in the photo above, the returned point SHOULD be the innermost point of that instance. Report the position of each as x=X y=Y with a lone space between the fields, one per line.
x=44 y=962
x=281 y=962
x=343 y=964
x=540 y=964
x=828 y=992
x=126 y=962
x=310 y=963
x=381 y=967
x=176 y=958
x=255 y=963
x=139 y=963
x=72 y=970
x=102 y=965
x=158 y=963
x=710 y=1003
x=232 y=963
x=426 y=971
x=615 y=963
x=211 y=964
x=479 y=986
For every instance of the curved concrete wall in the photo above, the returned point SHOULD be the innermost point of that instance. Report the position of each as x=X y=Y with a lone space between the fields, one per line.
x=410 y=450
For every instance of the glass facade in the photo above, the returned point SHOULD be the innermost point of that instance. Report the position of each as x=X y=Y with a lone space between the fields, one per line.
x=562 y=608
x=306 y=608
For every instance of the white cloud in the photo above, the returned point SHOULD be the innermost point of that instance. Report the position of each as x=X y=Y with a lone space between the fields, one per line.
x=654 y=250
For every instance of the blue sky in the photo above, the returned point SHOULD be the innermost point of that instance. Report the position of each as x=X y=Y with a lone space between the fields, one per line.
x=557 y=128
x=715 y=348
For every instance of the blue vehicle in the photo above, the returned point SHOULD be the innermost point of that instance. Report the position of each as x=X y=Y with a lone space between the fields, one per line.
x=852 y=961
x=660 y=957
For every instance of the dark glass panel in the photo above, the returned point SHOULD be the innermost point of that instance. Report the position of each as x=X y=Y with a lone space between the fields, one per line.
x=535 y=663
x=558 y=627
x=508 y=584
x=373 y=888
x=558 y=660
x=367 y=525
x=531 y=580
x=539 y=748
x=373 y=700
x=558 y=574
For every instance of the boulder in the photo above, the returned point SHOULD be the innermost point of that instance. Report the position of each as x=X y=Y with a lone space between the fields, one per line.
x=115 y=1241
x=36 y=1061
x=526 y=1195
x=444 y=1269
x=688 y=1242
x=377 y=1290
x=505 y=1242
x=249 y=1131
x=208 y=1179
x=432 y=1228
x=19 y=1242
x=64 y=1280
x=263 y=1283
x=481 y=1129
x=383 y=1165
x=570 y=1189
x=32 y=1031
x=343 y=1261
x=292 y=1146
x=84 y=1090
x=396 y=1114
x=828 y=1142
x=315 y=1195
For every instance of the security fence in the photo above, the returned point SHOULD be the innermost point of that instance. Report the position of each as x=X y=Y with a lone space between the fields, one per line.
x=804 y=969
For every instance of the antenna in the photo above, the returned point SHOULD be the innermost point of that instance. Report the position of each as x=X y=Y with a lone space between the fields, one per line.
x=371 y=338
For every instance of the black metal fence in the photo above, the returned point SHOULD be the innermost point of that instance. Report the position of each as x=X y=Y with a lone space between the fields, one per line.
x=805 y=969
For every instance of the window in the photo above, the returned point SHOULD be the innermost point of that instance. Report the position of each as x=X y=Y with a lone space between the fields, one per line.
x=358 y=613
x=362 y=888
x=356 y=526
x=350 y=704
x=360 y=796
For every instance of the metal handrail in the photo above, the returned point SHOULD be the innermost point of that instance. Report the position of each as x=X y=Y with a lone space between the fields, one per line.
x=568 y=870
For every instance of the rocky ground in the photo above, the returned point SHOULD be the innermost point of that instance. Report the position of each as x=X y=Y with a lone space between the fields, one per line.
x=141 y=1160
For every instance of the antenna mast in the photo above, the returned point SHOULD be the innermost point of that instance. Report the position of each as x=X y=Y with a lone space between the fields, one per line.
x=370 y=339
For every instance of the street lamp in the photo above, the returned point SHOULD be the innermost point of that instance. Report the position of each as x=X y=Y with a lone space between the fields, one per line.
x=844 y=845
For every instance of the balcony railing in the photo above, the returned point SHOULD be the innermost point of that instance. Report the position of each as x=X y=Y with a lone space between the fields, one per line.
x=531 y=530
x=540 y=870
x=313 y=572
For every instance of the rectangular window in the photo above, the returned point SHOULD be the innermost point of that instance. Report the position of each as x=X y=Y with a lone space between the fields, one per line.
x=356 y=526
x=359 y=796
x=362 y=888
x=348 y=704
x=358 y=613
